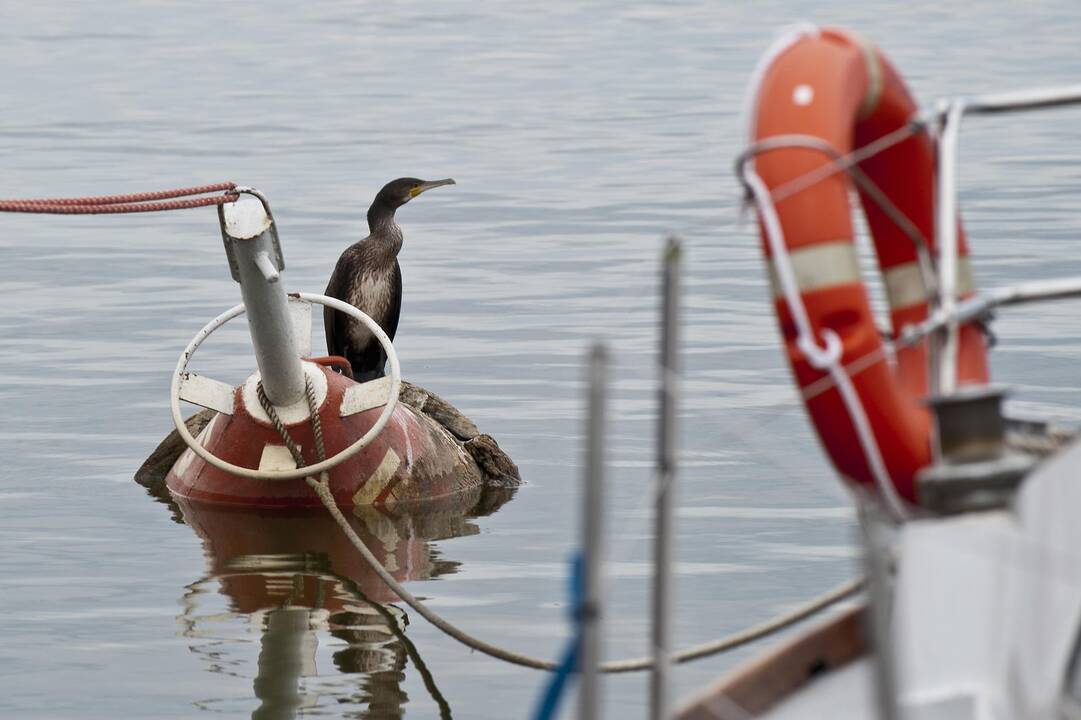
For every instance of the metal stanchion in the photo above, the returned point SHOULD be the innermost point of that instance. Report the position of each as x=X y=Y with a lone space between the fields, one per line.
x=659 y=698
x=877 y=560
x=593 y=538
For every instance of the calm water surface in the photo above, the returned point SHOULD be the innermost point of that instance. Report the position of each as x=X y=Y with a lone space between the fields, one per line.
x=579 y=135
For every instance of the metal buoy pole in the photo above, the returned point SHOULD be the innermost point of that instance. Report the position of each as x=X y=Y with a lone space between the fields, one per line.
x=659 y=699
x=286 y=654
x=255 y=260
x=593 y=538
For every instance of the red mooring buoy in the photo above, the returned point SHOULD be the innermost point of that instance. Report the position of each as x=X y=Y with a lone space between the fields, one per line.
x=411 y=459
x=377 y=452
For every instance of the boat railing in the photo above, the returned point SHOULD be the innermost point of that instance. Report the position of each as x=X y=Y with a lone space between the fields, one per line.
x=948 y=314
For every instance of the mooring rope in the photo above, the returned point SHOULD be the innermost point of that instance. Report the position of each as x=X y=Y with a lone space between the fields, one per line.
x=163 y=200
x=154 y=201
x=322 y=489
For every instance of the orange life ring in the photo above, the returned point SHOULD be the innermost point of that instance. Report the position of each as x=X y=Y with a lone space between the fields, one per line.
x=829 y=84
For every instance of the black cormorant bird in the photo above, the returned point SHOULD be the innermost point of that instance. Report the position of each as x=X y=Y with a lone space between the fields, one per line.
x=367 y=276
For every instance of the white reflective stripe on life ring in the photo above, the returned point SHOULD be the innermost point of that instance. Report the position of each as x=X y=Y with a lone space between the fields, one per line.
x=904 y=283
x=820 y=266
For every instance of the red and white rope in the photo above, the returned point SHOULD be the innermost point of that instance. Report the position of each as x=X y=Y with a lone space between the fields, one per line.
x=154 y=201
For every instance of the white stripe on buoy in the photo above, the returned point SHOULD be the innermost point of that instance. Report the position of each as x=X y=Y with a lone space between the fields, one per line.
x=365 y=396
x=207 y=392
x=277 y=457
x=377 y=482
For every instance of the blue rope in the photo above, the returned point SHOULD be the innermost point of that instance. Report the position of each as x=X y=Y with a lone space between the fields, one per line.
x=568 y=666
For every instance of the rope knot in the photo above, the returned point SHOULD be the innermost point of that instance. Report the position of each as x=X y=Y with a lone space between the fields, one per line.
x=821 y=358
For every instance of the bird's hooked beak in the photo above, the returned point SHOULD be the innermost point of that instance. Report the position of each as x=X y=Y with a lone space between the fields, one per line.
x=428 y=185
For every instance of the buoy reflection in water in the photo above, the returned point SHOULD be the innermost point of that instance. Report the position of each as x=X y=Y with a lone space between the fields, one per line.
x=294 y=581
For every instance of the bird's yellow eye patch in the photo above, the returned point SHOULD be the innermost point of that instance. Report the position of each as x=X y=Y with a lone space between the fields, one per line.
x=415 y=190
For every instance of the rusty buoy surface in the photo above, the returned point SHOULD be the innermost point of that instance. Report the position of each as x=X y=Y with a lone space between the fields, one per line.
x=440 y=471
x=412 y=459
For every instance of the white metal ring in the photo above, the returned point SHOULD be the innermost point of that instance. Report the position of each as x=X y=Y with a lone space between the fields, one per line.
x=309 y=470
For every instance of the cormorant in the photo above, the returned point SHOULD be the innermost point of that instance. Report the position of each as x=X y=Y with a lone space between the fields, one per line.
x=368 y=277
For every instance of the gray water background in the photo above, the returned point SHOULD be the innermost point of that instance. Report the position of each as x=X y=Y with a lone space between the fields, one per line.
x=580 y=134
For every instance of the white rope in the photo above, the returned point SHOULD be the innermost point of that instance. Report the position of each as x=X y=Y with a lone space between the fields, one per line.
x=695 y=652
x=827 y=357
x=322 y=489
